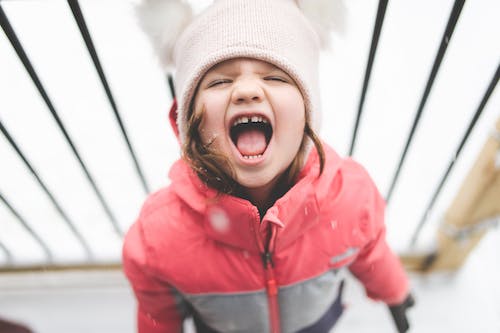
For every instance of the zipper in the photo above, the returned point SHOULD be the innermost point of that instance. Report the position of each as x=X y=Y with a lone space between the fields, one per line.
x=271 y=284
x=272 y=293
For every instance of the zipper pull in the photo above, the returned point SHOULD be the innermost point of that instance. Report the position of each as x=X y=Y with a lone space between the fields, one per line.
x=272 y=289
x=267 y=258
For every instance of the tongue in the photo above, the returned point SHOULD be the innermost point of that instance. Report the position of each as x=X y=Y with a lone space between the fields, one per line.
x=251 y=142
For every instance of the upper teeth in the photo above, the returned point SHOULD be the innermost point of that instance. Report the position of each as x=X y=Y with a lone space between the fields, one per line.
x=253 y=119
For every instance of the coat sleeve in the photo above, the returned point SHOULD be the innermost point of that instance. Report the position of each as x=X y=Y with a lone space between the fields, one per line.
x=376 y=266
x=159 y=305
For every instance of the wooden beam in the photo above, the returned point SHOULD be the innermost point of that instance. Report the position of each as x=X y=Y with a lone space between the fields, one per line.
x=471 y=212
x=476 y=184
x=57 y=268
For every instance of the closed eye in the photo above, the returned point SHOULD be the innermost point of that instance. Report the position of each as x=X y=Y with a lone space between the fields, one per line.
x=218 y=82
x=276 y=78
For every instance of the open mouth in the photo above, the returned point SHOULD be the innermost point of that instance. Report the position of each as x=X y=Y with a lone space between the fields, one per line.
x=251 y=135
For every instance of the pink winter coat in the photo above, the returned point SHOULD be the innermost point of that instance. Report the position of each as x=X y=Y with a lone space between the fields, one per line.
x=193 y=253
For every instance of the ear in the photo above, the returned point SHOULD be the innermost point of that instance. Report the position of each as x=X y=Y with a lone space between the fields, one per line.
x=172 y=117
x=163 y=21
x=326 y=16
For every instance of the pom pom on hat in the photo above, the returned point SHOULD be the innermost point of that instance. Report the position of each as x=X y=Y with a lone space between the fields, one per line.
x=163 y=21
x=326 y=16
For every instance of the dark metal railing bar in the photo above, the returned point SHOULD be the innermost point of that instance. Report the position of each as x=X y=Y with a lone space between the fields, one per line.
x=9 y=31
x=8 y=254
x=171 y=86
x=27 y=227
x=382 y=5
x=58 y=207
x=475 y=118
x=450 y=27
x=78 y=15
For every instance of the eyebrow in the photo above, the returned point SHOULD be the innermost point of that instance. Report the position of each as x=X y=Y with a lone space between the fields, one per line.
x=230 y=72
x=276 y=69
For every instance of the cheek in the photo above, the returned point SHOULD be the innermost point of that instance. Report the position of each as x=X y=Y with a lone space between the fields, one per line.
x=210 y=129
x=212 y=125
x=292 y=113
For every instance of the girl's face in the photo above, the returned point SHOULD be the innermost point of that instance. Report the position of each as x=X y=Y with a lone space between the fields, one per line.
x=254 y=116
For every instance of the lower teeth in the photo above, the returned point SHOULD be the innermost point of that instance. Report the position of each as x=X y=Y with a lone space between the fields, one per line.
x=251 y=157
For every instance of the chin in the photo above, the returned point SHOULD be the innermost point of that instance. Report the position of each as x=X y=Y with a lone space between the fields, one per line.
x=251 y=180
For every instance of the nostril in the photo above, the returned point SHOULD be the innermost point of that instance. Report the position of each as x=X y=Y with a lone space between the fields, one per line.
x=245 y=99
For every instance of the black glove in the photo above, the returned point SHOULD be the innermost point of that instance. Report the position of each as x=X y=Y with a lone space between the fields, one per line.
x=398 y=313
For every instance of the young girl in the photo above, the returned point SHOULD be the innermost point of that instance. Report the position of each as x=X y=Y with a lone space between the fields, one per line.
x=260 y=216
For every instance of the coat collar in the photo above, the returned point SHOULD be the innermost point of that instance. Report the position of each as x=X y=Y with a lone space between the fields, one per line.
x=236 y=222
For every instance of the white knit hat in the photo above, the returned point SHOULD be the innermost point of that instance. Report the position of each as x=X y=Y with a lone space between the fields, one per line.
x=276 y=31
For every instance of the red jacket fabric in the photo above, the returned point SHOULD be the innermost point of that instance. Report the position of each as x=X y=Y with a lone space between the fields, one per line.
x=194 y=252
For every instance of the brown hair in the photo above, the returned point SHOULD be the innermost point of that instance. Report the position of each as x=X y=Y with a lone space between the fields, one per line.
x=214 y=168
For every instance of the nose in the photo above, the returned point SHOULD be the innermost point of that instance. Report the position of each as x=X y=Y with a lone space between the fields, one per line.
x=247 y=91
